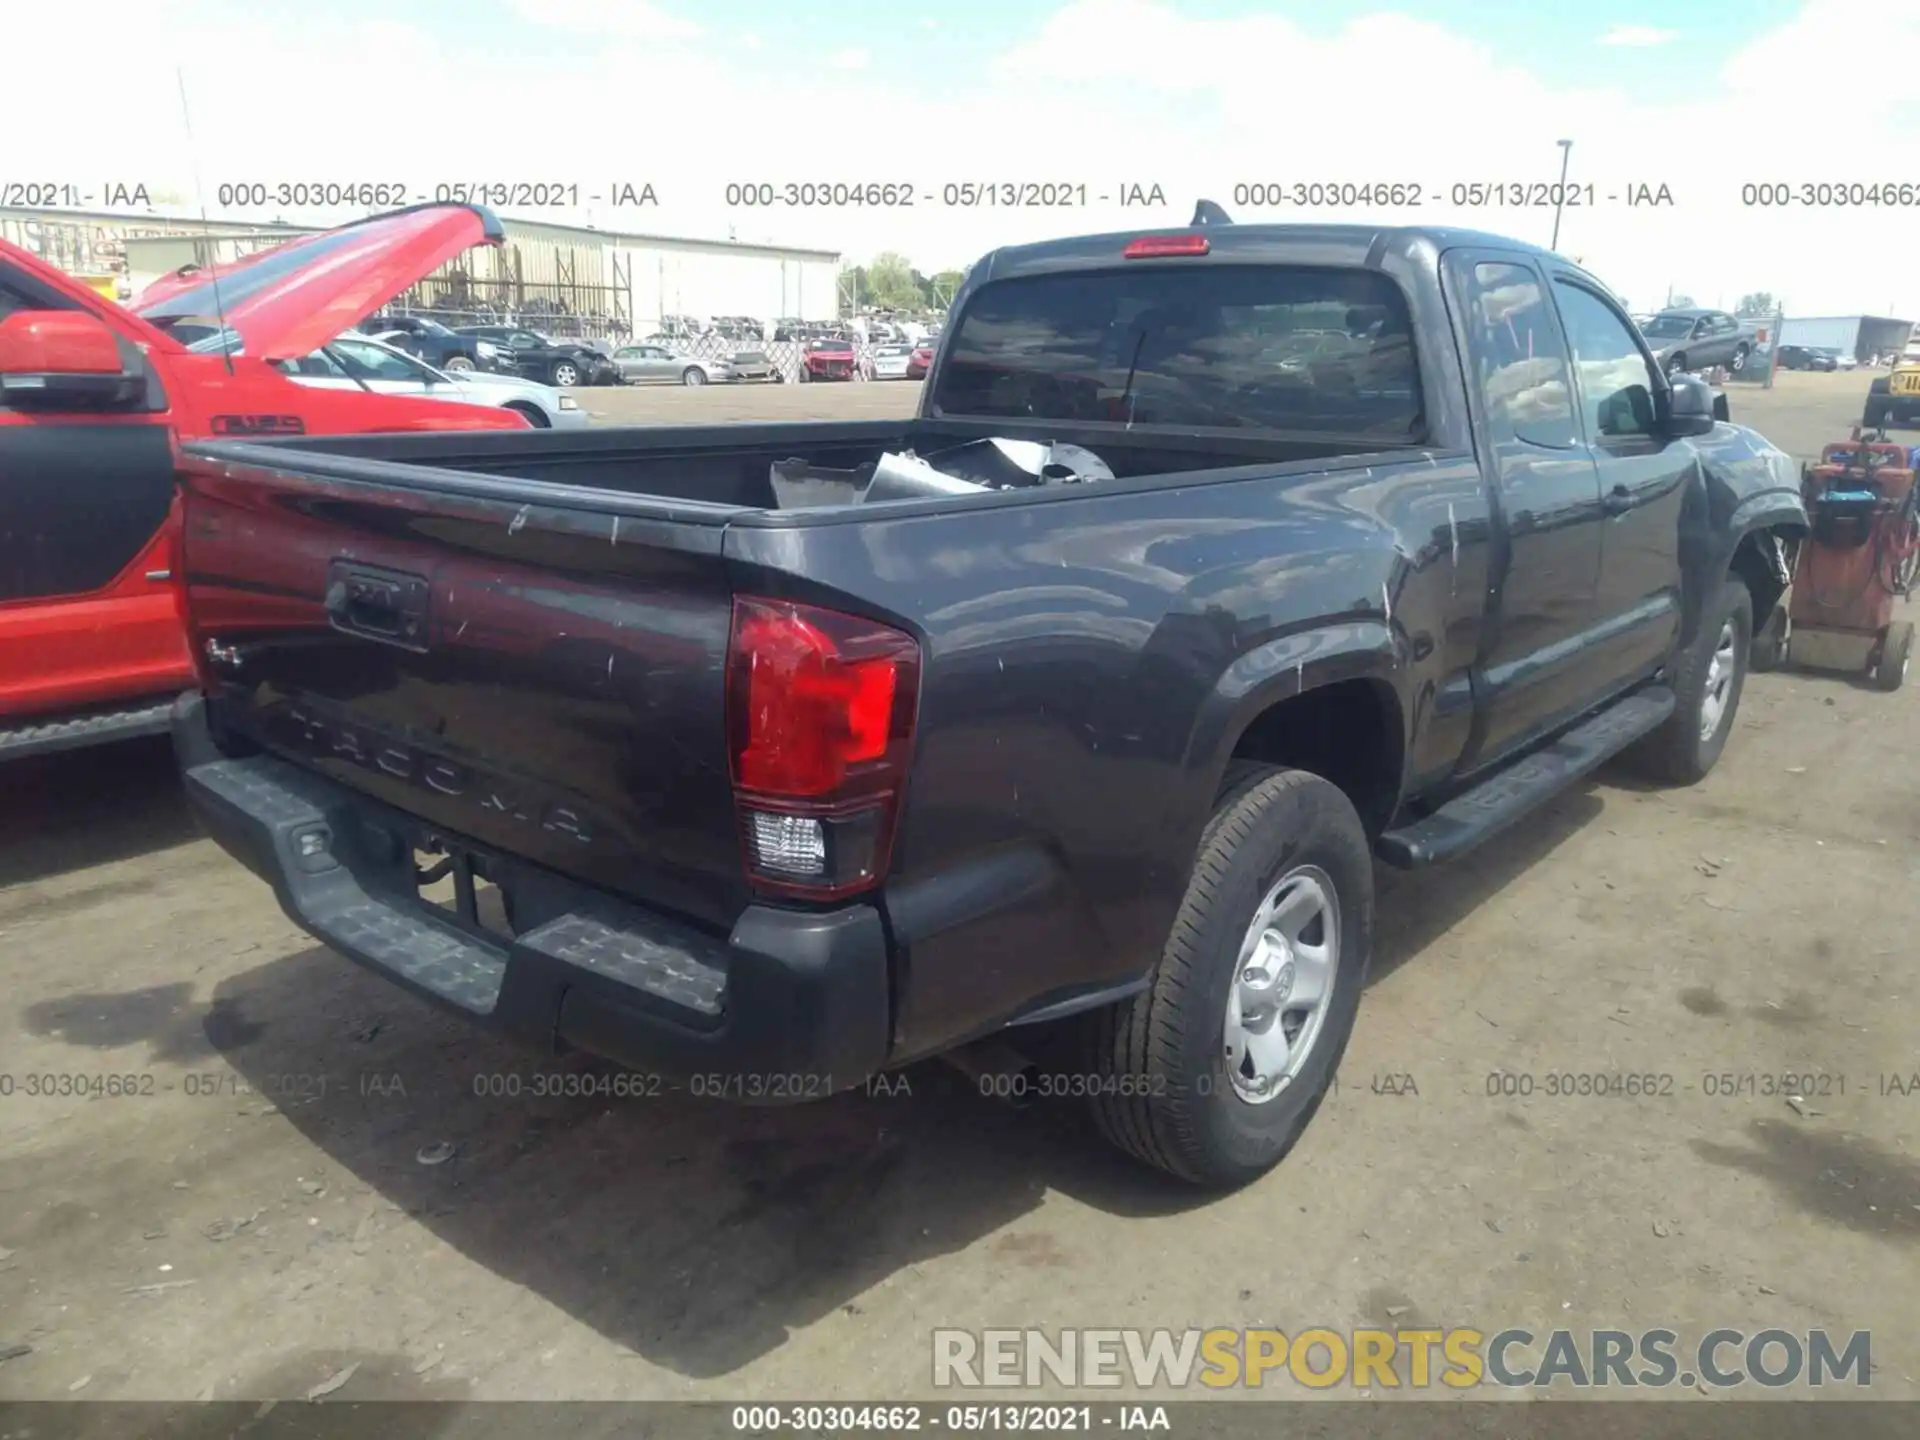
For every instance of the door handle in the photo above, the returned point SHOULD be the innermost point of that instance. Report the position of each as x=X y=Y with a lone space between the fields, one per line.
x=1618 y=500
x=379 y=604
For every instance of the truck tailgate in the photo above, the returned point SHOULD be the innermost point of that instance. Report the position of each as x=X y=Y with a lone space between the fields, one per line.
x=545 y=678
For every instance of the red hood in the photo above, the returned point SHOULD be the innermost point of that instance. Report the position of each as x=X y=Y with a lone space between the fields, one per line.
x=290 y=300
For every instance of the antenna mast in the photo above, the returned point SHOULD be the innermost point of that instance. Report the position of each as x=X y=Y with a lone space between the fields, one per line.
x=206 y=226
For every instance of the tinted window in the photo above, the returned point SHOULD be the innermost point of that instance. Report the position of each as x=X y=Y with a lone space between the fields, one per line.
x=1616 y=389
x=1270 y=347
x=1668 y=327
x=1522 y=369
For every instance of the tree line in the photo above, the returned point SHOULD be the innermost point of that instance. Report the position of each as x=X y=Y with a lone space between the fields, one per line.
x=889 y=282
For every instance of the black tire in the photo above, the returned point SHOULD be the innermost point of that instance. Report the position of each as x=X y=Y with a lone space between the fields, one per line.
x=1677 y=364
x=1678 y=753
x=1896 y=650
x=534 y=415
x=1162 y=1092
x=1875 y=415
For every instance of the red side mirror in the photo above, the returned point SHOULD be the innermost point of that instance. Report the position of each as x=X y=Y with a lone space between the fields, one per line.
x=54 y=357
x=55 y=342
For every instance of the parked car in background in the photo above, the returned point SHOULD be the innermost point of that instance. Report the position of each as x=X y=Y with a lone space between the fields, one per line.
x=359 y=362
x=439 y=345
x=1691 y=340
x=1804 y=357
x=1842 y=359
x=891 y=360
x=920 y=361
x=830 y=360
x=657 y=364
x=565 y=363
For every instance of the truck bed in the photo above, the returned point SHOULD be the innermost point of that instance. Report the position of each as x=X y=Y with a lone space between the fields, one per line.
x=728 y=465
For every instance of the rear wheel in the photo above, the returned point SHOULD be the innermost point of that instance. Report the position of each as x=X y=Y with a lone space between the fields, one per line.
x=566 y=374
x=1739 y=361
x=459 y=364
x=1707 y=681
x=1896 y=653
x=1214 y=1071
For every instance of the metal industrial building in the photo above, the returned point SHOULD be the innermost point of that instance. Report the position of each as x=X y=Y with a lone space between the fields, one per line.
x=1860 y=336
x=597 y=281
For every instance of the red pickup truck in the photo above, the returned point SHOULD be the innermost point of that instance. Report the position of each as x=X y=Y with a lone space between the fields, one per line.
x=93 y=396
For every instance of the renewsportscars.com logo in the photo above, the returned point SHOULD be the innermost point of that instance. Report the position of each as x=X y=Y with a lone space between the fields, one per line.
x=1456 y=1358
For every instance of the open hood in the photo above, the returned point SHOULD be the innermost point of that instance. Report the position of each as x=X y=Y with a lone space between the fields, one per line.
x=290 y=300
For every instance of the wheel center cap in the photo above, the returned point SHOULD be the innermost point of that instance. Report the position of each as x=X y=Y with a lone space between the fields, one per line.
x=1283 y=981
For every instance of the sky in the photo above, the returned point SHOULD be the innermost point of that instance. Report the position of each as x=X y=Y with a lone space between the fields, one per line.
x=1197 y=97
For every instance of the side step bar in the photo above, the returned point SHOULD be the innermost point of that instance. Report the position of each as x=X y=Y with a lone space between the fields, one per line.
x=1504 y=797
x=123 y=722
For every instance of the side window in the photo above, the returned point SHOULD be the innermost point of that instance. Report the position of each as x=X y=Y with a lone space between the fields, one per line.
x=317 y=366
x=1522 y=368
x=10 y=302
x=1616 y=388
x=370 y=362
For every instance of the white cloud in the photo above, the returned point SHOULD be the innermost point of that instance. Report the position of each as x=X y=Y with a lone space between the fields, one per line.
x=927 y=22
x=1196 y=106
x=627 y=19
x=1638 y=37
x=751 y=40
x=852 y=58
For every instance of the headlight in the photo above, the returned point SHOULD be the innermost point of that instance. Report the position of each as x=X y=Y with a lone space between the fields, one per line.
x=567 y=402
x=486 y=349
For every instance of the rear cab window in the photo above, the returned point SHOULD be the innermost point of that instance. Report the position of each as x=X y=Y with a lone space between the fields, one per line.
x=1239 y=347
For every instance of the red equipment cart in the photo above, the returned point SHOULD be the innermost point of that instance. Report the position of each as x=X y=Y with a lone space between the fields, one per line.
x=1862 y=556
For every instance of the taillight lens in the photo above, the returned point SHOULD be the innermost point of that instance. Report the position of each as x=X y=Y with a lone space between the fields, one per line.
x=820 y=715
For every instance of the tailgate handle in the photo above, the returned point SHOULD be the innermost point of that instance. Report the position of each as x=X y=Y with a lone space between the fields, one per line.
x=378 y=604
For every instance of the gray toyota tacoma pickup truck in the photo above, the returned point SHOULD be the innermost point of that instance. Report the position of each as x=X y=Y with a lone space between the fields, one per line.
x=1215 y=566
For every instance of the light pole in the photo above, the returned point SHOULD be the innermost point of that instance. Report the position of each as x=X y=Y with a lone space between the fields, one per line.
x=1560 y=196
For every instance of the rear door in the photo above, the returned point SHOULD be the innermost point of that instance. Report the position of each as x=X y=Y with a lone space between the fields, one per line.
x=1534 y=665
x=1643 y=481
x=87 y=613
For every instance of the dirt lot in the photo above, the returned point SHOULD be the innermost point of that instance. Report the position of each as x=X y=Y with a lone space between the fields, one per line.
x=256 y=1217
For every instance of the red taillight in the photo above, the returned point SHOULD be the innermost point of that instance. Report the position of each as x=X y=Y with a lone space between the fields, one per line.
x=1149 y=247
x=820 y=712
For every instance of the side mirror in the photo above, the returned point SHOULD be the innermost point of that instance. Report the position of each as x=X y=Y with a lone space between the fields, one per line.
x=53 y=359
x=1693 y=407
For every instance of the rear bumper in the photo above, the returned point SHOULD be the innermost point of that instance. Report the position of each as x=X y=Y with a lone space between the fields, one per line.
x=789 y=1006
